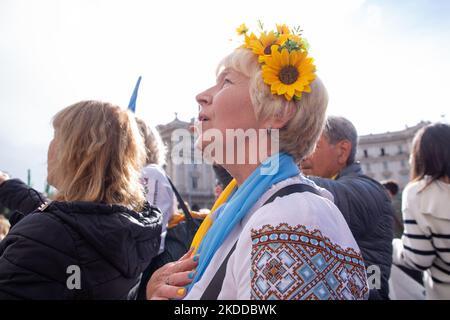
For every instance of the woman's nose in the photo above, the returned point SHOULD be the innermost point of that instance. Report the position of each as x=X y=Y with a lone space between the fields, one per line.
x=203 y=99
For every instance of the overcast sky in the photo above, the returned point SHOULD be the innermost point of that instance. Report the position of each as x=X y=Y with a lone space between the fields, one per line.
x=385 y=63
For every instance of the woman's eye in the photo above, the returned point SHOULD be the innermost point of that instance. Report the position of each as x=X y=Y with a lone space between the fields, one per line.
x=227 y=81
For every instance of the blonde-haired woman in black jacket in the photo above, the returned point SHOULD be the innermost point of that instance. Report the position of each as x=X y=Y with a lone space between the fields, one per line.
x=96 y=237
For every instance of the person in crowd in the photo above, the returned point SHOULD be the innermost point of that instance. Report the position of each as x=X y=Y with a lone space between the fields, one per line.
x=425 y=244
x=157 y=188
x=4 y=227
x=362 y=200
x=94 y=240
x=391 y=187
x=272 y=233
x=223 y=178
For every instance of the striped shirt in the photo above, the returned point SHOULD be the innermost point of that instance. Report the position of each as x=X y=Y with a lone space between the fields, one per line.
x=425 y=244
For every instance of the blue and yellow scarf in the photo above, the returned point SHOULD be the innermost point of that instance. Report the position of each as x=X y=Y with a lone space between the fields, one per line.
x=212 y=234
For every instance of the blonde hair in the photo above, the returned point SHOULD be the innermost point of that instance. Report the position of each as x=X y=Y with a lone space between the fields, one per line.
x=300 y=134
x=154 y=146
x=100 y=154
x=4 y=227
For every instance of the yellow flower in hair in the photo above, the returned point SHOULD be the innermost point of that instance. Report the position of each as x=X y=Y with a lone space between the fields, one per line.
x=262 y=46
x=288 y=73
x=283 y=29
x=242 y=29
x=248 y=40
x=294 y=38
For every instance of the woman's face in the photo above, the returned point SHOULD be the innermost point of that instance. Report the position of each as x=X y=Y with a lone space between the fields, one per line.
x=52 y=160
x=226 y=105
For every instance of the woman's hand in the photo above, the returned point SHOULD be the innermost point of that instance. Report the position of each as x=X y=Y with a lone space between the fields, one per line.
x=168 y=281
x=3 y=177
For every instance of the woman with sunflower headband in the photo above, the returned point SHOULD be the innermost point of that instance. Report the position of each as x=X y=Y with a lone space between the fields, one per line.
x=269 y=235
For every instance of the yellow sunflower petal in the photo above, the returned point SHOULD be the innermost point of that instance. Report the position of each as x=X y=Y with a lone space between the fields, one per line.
x=285 y=57
x=257 y=47
x=283 y=29
x=282 y=89
x=267 y=38
x=290 y=90
x=294 y=59
x=287 y=97
x=298 y=86
x=249 y=39
x=271 y=77
x=270 y=67
x=275 y=87
x=282 y=39
x=274 y=60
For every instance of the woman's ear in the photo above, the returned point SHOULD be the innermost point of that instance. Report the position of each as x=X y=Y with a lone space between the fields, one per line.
x=282 y=117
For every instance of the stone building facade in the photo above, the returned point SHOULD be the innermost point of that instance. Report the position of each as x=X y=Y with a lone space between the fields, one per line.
x=385 y=156
x=194 y=181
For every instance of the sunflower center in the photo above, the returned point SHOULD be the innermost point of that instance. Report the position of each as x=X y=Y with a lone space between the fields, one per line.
x=288 y=74
x=267 y=50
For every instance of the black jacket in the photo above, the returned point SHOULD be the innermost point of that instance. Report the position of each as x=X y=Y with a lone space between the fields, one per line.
x=367 y=209
x=109 y=244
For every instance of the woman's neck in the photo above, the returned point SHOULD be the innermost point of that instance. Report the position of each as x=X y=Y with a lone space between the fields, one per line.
x=240 y=171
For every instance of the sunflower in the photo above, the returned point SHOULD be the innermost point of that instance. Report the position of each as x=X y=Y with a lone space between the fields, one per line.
x=283 y=29
x=262 y=46
x=288 y=73
x=248 y=40
x=242 y=29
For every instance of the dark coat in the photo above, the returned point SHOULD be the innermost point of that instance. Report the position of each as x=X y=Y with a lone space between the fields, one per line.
x=110 y=244
x=367 y=209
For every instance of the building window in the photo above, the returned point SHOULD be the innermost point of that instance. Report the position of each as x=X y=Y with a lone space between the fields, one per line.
x=383 y=153
x=385 y=165
x=402 y=163
x=367 y=167
x=400 y=149
x=194 y=182
x=366 y=154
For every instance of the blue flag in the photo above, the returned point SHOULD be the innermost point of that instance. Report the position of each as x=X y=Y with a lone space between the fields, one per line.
x=132 y=104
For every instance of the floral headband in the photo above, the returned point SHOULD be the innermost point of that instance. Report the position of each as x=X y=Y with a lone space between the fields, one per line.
x=283 y=55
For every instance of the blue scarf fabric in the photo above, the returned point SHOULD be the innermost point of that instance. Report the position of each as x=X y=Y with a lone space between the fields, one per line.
x=239 y=204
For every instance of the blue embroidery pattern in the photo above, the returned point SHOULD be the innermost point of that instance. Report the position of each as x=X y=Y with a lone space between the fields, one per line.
x=295 y=263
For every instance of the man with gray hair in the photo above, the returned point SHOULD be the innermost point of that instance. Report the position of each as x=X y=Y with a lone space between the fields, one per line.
x=362 y=200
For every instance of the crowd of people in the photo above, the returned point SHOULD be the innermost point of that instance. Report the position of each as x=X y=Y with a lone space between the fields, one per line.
x=314 y=227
